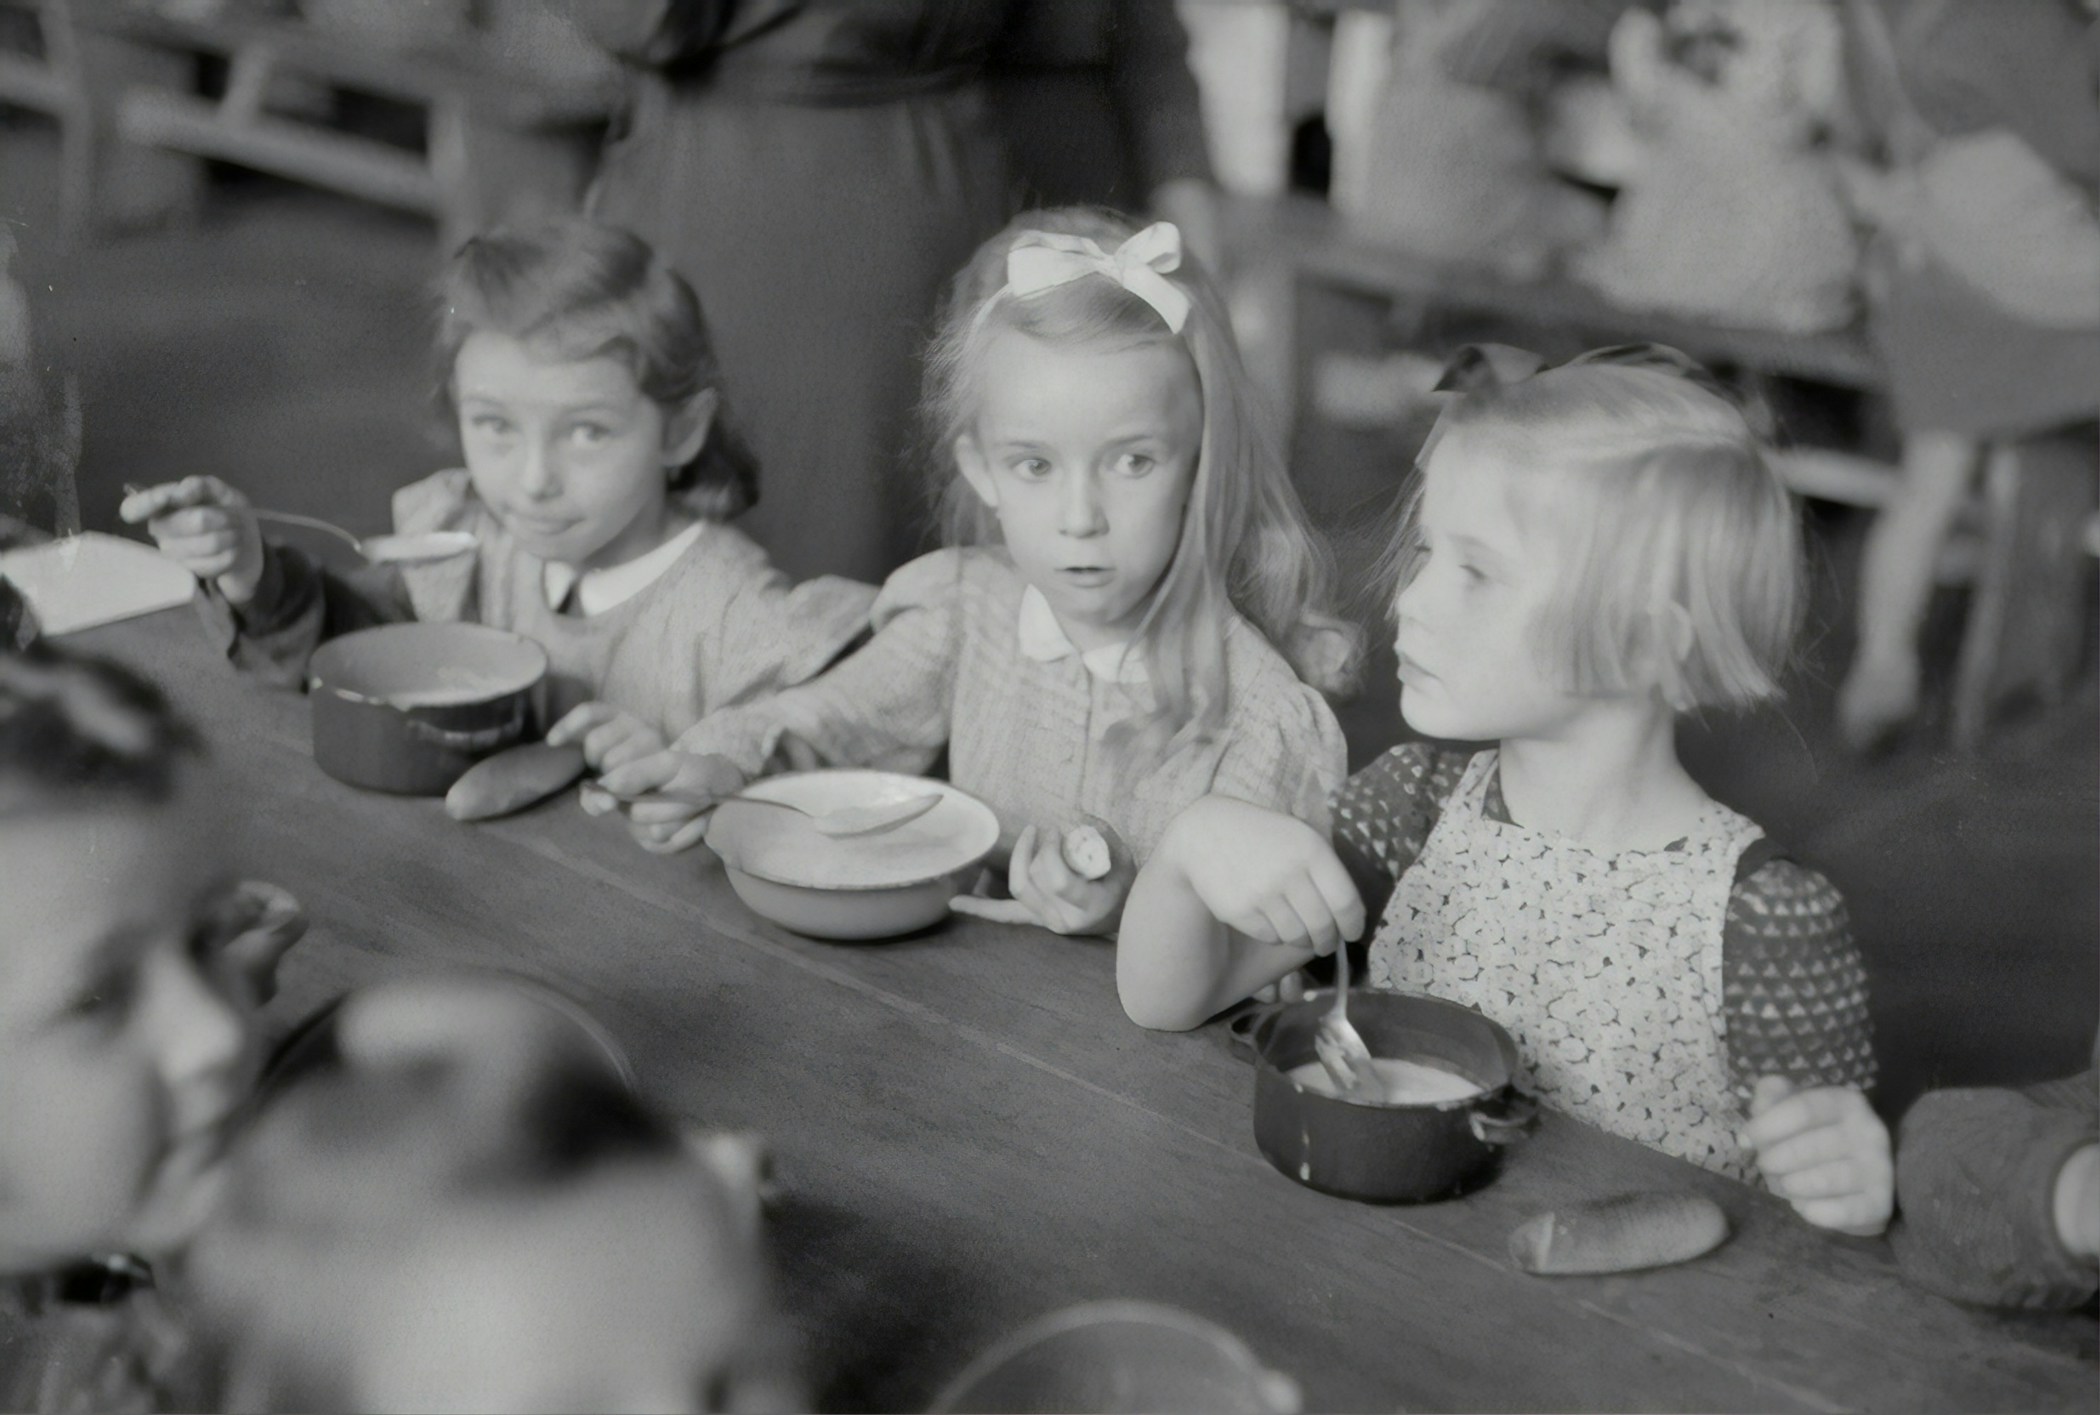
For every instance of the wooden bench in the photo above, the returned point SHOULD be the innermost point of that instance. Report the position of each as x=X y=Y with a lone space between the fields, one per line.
x=120 y=79
x=2033 y=517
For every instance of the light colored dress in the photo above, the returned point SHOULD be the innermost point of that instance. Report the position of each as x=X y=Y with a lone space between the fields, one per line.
x=967 y=656
x=718 y=626
x=1606 y=967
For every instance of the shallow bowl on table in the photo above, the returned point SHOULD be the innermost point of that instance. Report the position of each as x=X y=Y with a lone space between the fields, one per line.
x=1101 y=1358
x=409 y=707
x=879 y=885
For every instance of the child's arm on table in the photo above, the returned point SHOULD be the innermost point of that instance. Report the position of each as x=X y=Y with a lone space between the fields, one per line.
x=1800 y=1041
x=1234 y=898
x=885 y=705
x=2000 y=1193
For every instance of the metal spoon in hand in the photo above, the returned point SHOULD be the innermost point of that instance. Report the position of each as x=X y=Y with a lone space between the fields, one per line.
x=377 y=550
x=382 y=550
x=1341 y=1050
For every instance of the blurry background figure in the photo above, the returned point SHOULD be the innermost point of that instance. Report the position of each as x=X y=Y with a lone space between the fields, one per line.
x=1097 y=106
x=816 y=170
x=1455 y=167
x=1734 y=212
x=450 y=1199
x=1986 y=289
x=39 y=426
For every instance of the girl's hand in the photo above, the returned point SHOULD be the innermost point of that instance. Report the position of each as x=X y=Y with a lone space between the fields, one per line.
x=667 y=795
x=1824 y=1151
x=1049 y=891
x=266 y=921
x=1264 y=874
x=203 y=525
x=609 y=737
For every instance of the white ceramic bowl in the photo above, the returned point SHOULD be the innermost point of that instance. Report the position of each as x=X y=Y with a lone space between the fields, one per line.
x=860 y=887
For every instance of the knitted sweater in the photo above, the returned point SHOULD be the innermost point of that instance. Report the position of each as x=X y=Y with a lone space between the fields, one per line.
x=1794 y=991
x=1976 y=1188
x=1027 y=734
x=719 y=628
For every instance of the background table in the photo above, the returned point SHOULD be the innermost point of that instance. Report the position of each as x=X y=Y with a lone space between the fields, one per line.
x=970 y=1133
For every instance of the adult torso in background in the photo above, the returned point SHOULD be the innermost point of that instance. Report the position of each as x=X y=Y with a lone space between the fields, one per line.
x=817 y=170
x=1096 y=101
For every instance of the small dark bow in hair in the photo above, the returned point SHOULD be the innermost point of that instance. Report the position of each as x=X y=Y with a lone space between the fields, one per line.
x=1478 y=366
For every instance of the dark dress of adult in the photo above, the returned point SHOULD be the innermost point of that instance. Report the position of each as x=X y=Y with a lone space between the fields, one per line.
x=817 y=169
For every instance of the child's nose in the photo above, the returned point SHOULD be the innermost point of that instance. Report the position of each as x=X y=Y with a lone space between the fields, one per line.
x=1081 y=512
x=538 y=475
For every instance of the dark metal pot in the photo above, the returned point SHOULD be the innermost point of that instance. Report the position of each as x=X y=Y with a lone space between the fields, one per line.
x=1386 y=1153
x=409 y=707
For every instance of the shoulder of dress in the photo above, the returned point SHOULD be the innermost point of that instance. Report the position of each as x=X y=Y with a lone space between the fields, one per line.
x=1781 y=888
x=972 y=577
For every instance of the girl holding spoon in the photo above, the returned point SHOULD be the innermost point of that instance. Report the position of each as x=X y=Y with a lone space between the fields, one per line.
x=1588 y=553
x=590 y=516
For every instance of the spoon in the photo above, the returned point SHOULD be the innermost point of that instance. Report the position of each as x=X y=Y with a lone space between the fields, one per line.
x=378 y=550
x=386 y=549
x=1340 y=1049
x=853 y=820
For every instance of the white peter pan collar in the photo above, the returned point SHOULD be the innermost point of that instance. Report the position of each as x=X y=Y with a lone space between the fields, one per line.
x=600 y=590
x=1043 y=639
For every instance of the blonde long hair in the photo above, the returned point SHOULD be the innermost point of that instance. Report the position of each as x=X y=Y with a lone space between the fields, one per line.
x=1246 y=544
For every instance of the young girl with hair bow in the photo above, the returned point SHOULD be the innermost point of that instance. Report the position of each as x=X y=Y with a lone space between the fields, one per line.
x=1587 y=553
x=1134 y=610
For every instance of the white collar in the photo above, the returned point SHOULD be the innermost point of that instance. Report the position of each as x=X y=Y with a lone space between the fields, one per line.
x=600 y=590
x=1043 y=639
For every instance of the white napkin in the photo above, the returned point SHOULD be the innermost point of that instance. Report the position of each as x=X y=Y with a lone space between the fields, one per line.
x=90 y=579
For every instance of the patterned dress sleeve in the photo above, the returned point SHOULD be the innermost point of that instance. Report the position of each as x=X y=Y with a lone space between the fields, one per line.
x=886 y=705
x=1382 y=816
x=1976 y=1175
x=1794 y=989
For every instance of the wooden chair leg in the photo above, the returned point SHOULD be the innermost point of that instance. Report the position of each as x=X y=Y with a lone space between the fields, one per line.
x=2026 y=629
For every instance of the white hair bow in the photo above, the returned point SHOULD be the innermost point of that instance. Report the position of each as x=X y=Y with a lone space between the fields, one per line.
x=1042 y=260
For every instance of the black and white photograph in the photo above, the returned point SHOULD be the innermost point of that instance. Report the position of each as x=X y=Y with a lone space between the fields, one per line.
x=1097 y=706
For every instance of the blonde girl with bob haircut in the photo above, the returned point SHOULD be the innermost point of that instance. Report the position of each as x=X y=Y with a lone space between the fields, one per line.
x=1133 y=611
x=1586 y=554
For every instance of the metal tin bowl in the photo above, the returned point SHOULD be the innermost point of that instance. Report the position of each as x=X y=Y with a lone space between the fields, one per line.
x=1385 y=1152
x=408 y=708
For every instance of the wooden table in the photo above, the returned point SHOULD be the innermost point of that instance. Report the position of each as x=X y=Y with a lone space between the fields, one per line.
x=970 y=1133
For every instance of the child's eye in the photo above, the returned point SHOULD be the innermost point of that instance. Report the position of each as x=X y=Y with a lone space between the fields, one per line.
x=106 y=1001
x=1136 y=464
x=1473 y=573
x=1031 y=468
x=590 y=434
x=489 y=424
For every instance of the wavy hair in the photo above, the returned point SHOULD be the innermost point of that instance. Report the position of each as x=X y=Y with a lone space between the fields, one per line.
x=1246 y=544
x=587 y=290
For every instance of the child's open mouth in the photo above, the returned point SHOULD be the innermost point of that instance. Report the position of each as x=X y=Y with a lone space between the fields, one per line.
x=1087 y=576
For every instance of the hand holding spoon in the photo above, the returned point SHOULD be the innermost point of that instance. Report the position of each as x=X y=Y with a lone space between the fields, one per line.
x=147 y=503
x=1338 y=1045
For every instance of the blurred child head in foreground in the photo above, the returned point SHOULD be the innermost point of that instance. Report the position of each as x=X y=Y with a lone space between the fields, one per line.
x=453 y=1201
x=126 y=1016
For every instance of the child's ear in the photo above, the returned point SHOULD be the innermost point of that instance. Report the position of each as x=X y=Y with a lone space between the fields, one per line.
x=1669 y=648
x=685 y=433
x=969 y=458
